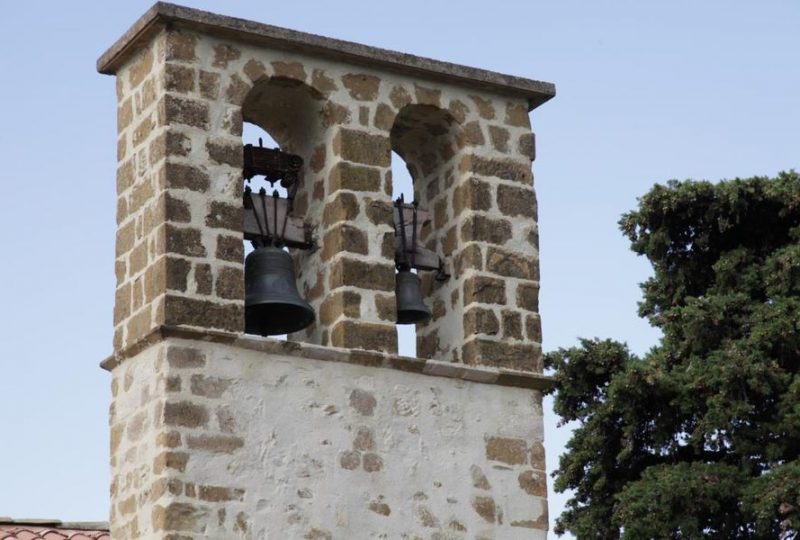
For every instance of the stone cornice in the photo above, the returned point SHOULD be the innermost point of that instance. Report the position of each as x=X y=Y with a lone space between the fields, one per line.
x=163 y=14
x=496 y=376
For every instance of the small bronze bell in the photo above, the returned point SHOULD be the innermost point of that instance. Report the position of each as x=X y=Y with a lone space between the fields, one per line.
x=410 y=307
x=272 y=304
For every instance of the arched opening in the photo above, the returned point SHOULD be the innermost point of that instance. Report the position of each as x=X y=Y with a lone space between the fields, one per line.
x=425 y=139
x=402 y=184
x=288 y=115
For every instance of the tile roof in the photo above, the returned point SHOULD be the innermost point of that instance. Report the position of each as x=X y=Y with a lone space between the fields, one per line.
x=40 y=529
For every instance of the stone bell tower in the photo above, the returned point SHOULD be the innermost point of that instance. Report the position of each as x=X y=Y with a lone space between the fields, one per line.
x=329 y=435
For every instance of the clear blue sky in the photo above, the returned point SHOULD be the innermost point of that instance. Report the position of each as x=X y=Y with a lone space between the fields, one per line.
x=647 y=91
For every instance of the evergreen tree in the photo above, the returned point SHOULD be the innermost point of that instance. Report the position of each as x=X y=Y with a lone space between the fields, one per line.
x=700 y=437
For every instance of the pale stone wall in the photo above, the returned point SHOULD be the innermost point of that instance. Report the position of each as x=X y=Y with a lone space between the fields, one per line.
x=218 y=441
x=182 y=103
x=139 y=450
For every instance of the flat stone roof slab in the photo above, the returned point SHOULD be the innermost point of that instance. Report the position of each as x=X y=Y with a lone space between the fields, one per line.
x=162 y=13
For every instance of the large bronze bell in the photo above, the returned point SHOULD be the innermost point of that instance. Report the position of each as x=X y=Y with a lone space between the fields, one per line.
x=410 y=307
x=272 y=304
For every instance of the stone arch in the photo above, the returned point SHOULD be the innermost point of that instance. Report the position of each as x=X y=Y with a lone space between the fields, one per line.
x=429 y=140
x=298 y=117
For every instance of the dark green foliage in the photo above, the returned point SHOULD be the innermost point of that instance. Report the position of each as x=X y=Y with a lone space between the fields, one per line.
x=700 y=438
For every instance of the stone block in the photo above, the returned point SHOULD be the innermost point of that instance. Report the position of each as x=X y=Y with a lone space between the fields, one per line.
x=505 y=169
x=179 y=516
x=471 y=257
x=480 y=228
x=514 y=201
x=230 y=283
x=399 y=97
x=480 y=321
x=180 y=176
x=124 y=115
x=203 y=280
x=340 y=304
x=485 y=107
x=184 y=241
x=139 y=325
x=528 y=296
x=140 y=68
x=458 y=110
x=185 y=414
x=343 y=207
x=224 y=53
x=346 y=272
x=289 y=70
x=215 y=444
x=533 y=483
x=180 y=310
x=386 y=306
x=384 y=117
x=219 y=494
x=512 y=324
x=142 y=131
x=363 y=335
x=526 y=145
x=361 y=87
x=175 y=209
x=222 y=215
x=126 y=236
x=512 y=264
x=170 y=460
x=427 y=96
x=322 y=83
x=484 y=290
x=225 y=152
x=185 y=358
x=533 y=328
x=186 y=111
x=209 y=84
x=472 y=194
x=473 y=134
x=122 y=303
x=345 y=175
x=517 y=115
x=519 y=356
x=499 y=137
x=344 y=238
x=178 y=78
x=181 y=46
x=362 y=147
x=485 y=507
x=379 y=212
x=237 y=90
x=506 y=450
x=230 y=248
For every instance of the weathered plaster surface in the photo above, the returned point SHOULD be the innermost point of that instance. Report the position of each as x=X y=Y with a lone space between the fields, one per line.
x=271 y=446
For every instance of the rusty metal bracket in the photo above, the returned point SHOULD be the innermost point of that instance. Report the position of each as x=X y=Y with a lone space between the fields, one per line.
x=408 y=221
x=268 y=219
x=271 y=163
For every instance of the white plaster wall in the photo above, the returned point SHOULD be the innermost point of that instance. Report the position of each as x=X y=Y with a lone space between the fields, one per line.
x=298 y=419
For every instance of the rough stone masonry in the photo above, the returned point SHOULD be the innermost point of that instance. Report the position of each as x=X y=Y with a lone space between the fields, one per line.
x=216 y=434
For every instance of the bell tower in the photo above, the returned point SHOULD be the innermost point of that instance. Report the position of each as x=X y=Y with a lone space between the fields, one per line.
x=219 y=432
